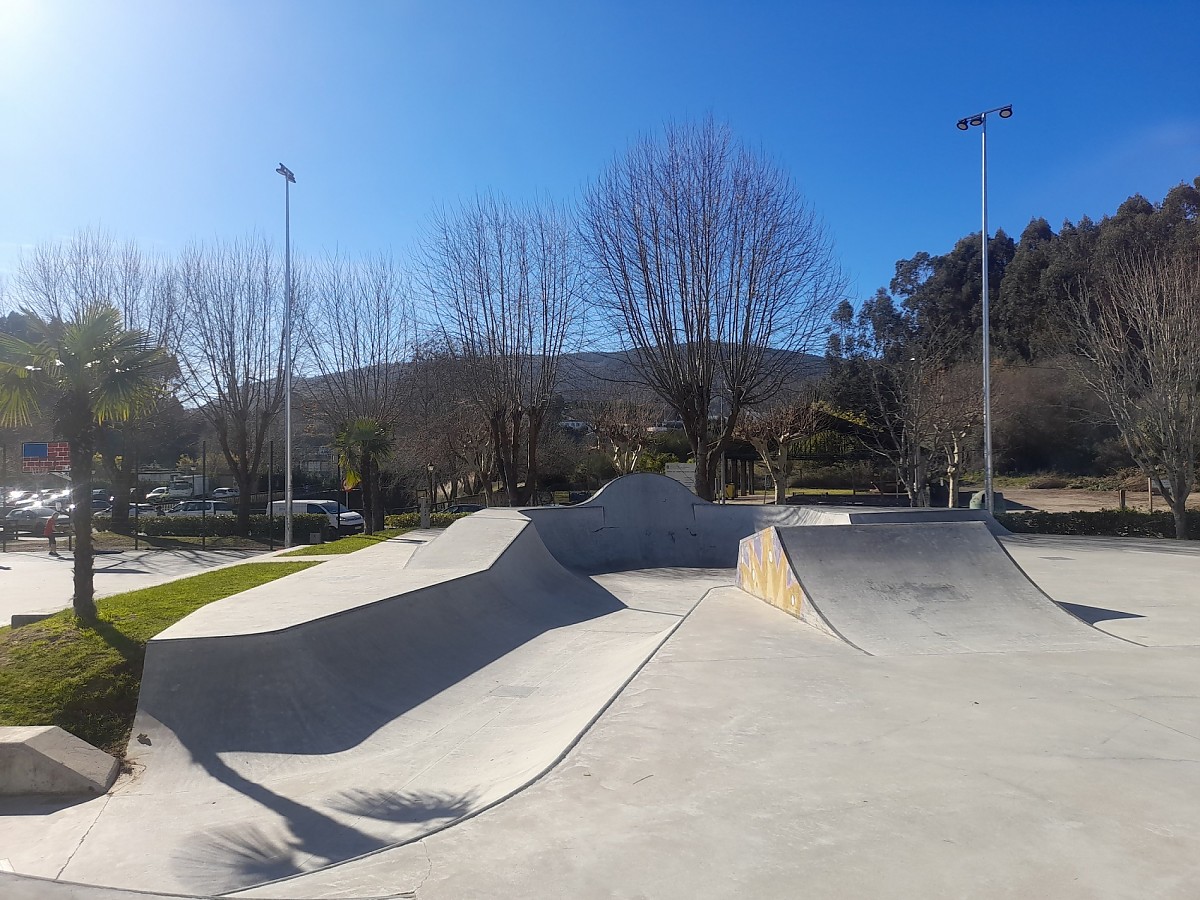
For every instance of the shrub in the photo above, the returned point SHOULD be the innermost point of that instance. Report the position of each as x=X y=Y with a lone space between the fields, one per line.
x=856 y=474
x=261 y=526
x=1105 y=523
x=1047 y=482
x=413 y=520
x=653 y=461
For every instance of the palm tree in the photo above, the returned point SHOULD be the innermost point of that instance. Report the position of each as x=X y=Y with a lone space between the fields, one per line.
x=362 y=444
x=83 y=372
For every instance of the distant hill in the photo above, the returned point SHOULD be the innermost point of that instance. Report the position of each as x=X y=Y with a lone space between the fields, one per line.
x=586 y=376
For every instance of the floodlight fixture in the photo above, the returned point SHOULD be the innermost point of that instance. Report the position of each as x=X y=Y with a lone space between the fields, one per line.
x=287 y=173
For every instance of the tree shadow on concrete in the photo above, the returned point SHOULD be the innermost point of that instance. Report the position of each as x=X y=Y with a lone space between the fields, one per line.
x=404 y=807
x=243 y=854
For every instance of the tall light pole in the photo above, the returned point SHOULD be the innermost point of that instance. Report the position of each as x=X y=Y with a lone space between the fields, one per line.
x=288 y=180
x=980 y=120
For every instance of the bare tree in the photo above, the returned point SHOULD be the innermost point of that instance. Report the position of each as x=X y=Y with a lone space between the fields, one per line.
x=441 y=425
x=504 y=284
x=772 y=428
x=67 y=280
x=713 y=271
x=63 y=279
x=622 y=428
x=903 y=377
x=919 y=403
x=955 y=417
x=1137 y=341
x=230 y=347
x=360 y=336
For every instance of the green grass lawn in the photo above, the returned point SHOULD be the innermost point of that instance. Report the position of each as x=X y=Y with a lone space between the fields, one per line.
x=347 y=544
x=86 y=680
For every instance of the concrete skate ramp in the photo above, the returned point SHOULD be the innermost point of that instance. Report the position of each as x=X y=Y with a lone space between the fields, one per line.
x=357 y=705
x=900 y=589
x=895 y=515
x=224 y=680
x=645 y=521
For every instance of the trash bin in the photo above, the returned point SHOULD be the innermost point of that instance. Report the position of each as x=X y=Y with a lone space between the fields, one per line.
x=978 y=501
x=730 y=490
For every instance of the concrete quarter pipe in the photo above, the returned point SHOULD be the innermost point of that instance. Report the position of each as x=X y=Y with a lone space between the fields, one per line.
x=898 y=589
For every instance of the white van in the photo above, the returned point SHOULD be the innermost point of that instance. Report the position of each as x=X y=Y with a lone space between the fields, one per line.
x=346 y=521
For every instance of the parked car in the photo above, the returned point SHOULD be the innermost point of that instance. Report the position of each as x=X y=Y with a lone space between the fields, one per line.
x=225 y=493
x=135 y=509
x=200 y=508
x=456 y=508
x=4 y=511
x=31 y=519
x=159 y=494
x=345 y=520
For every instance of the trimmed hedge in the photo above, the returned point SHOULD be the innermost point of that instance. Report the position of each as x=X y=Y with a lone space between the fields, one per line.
x=1104 y=523
x=413 y=520
x=226 y=526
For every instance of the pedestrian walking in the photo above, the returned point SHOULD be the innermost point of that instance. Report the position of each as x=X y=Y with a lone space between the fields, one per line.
x=49 y=532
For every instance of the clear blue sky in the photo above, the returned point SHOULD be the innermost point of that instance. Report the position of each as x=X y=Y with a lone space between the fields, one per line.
x=164 y=120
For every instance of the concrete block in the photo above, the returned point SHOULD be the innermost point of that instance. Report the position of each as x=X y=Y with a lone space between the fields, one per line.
x=44 y=759
x=20 y=620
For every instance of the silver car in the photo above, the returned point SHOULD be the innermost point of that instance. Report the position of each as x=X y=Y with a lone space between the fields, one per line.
x=200 y=508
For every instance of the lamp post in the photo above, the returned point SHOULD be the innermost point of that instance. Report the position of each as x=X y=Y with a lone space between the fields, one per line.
x=980 y=120
x=288 y=180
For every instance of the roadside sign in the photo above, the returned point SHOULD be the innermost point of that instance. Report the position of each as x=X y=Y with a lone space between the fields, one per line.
x=38 y=458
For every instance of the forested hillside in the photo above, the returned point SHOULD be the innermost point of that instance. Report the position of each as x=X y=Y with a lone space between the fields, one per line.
x=926 y=326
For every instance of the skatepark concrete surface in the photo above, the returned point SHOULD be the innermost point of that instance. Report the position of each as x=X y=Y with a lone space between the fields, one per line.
x=501 y=720
x=36 y=583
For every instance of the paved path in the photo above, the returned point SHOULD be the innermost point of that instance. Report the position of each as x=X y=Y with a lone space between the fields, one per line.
x=33 y=583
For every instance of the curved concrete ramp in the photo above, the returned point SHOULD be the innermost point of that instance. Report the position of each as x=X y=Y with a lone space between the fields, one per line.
x=644 y=521
x=904 y=589
x=358 y=704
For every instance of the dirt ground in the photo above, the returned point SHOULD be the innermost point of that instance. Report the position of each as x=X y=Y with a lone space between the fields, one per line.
x=1067 y=500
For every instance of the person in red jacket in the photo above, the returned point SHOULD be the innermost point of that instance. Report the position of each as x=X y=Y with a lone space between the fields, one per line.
x=48 y=533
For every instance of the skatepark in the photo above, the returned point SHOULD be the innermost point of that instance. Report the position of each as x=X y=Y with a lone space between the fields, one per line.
x=647 y=695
